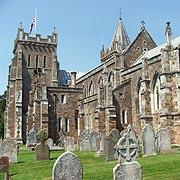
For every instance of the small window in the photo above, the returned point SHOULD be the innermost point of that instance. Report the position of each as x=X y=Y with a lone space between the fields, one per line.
x=59 y=124
x=63 y=99
x=44 y=61
x=66 y=125
x=29 y=60
x=124 y=116
x=36 y=60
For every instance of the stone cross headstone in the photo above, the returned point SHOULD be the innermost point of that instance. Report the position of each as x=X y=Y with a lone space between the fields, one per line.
x=4 y=167
x=148 y=141
x=69 y=144
x=127 y=168
x=42 y=150
x=163 y=141
x=8 y=147
x=31 y=139
x=50 y=143
x=67 y=167
x=111 y=142
x=102 y=151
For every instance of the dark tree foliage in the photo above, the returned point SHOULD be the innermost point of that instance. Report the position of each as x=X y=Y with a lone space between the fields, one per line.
x=2 y=108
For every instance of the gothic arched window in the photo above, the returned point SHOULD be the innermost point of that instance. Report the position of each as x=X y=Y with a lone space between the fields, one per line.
x=111 y=78
x=156 y=94
x=91 y=89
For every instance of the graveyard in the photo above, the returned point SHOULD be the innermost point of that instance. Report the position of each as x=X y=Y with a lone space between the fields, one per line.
x=119 y=156
x=164 y=167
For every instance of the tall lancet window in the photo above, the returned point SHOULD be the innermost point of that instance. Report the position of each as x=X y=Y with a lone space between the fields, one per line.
x=111 y=78
x=91 y=89
x=156 y=95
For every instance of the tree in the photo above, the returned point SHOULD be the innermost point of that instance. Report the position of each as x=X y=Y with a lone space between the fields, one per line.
x=2 y=108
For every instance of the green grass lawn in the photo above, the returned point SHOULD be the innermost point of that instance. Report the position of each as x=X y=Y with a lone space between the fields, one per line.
x=159 y=167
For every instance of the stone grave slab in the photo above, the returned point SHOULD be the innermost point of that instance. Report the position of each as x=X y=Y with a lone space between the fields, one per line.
x=8 y=147
x=50 y=143
x=112 y=140
x=69 y=144
x=67 y=167
x=163 y=141
x=31 y=139
x=148 y=141
x=42 y=150
x=4 y=167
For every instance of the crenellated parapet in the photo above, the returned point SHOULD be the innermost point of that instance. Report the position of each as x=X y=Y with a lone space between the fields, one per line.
x=24 y=37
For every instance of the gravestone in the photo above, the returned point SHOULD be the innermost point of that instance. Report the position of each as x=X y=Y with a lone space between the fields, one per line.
x=102 y=151
x=4 y=167
x=148 y=141
x=111 y=142
x=87 y=140
x=8 y=147
x=126 y=148
x=42 y=149
x=69 y=144
x=67 y=167
x=31 y=139
x=93 y=138
x=163 y=141
x=50 y=143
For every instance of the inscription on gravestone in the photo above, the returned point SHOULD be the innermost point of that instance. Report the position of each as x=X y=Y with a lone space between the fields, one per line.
x=67 y=167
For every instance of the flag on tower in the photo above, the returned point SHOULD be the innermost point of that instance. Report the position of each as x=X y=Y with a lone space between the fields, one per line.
x=33 y=23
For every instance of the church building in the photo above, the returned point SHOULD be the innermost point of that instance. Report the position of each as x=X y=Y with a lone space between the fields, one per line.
x=135 y=83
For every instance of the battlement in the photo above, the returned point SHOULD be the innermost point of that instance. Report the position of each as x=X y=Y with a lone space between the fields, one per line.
x=26 y=38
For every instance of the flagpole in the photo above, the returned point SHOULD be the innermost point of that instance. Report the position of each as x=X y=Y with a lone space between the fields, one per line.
x=35 y=20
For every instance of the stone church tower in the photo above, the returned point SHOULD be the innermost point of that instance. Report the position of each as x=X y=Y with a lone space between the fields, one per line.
x=34 y=67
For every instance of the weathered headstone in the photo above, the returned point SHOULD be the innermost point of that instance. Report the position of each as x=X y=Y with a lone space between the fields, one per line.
x=126 y=148
x=4 y=167
x=50 y=143
x=148 y=141
x=93 y=138
x=67 y=167
x=111 y=142
x=163 y=141
x=8 y=147
x=87 y=140
x=69 y=144
x=31 y=139
x=42 y=149
x=102 y=151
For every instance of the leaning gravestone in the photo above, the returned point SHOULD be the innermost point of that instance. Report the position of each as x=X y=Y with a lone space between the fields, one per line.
x=69 y=144
x=67 y=167
x=31 y=139
x=42 y=149
x=127 y=168
x=111 y=142
x=8 y=147
x=163 y=141
x=148 y=141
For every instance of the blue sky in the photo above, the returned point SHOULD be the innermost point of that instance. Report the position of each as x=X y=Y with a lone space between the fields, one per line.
x=82 y=26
